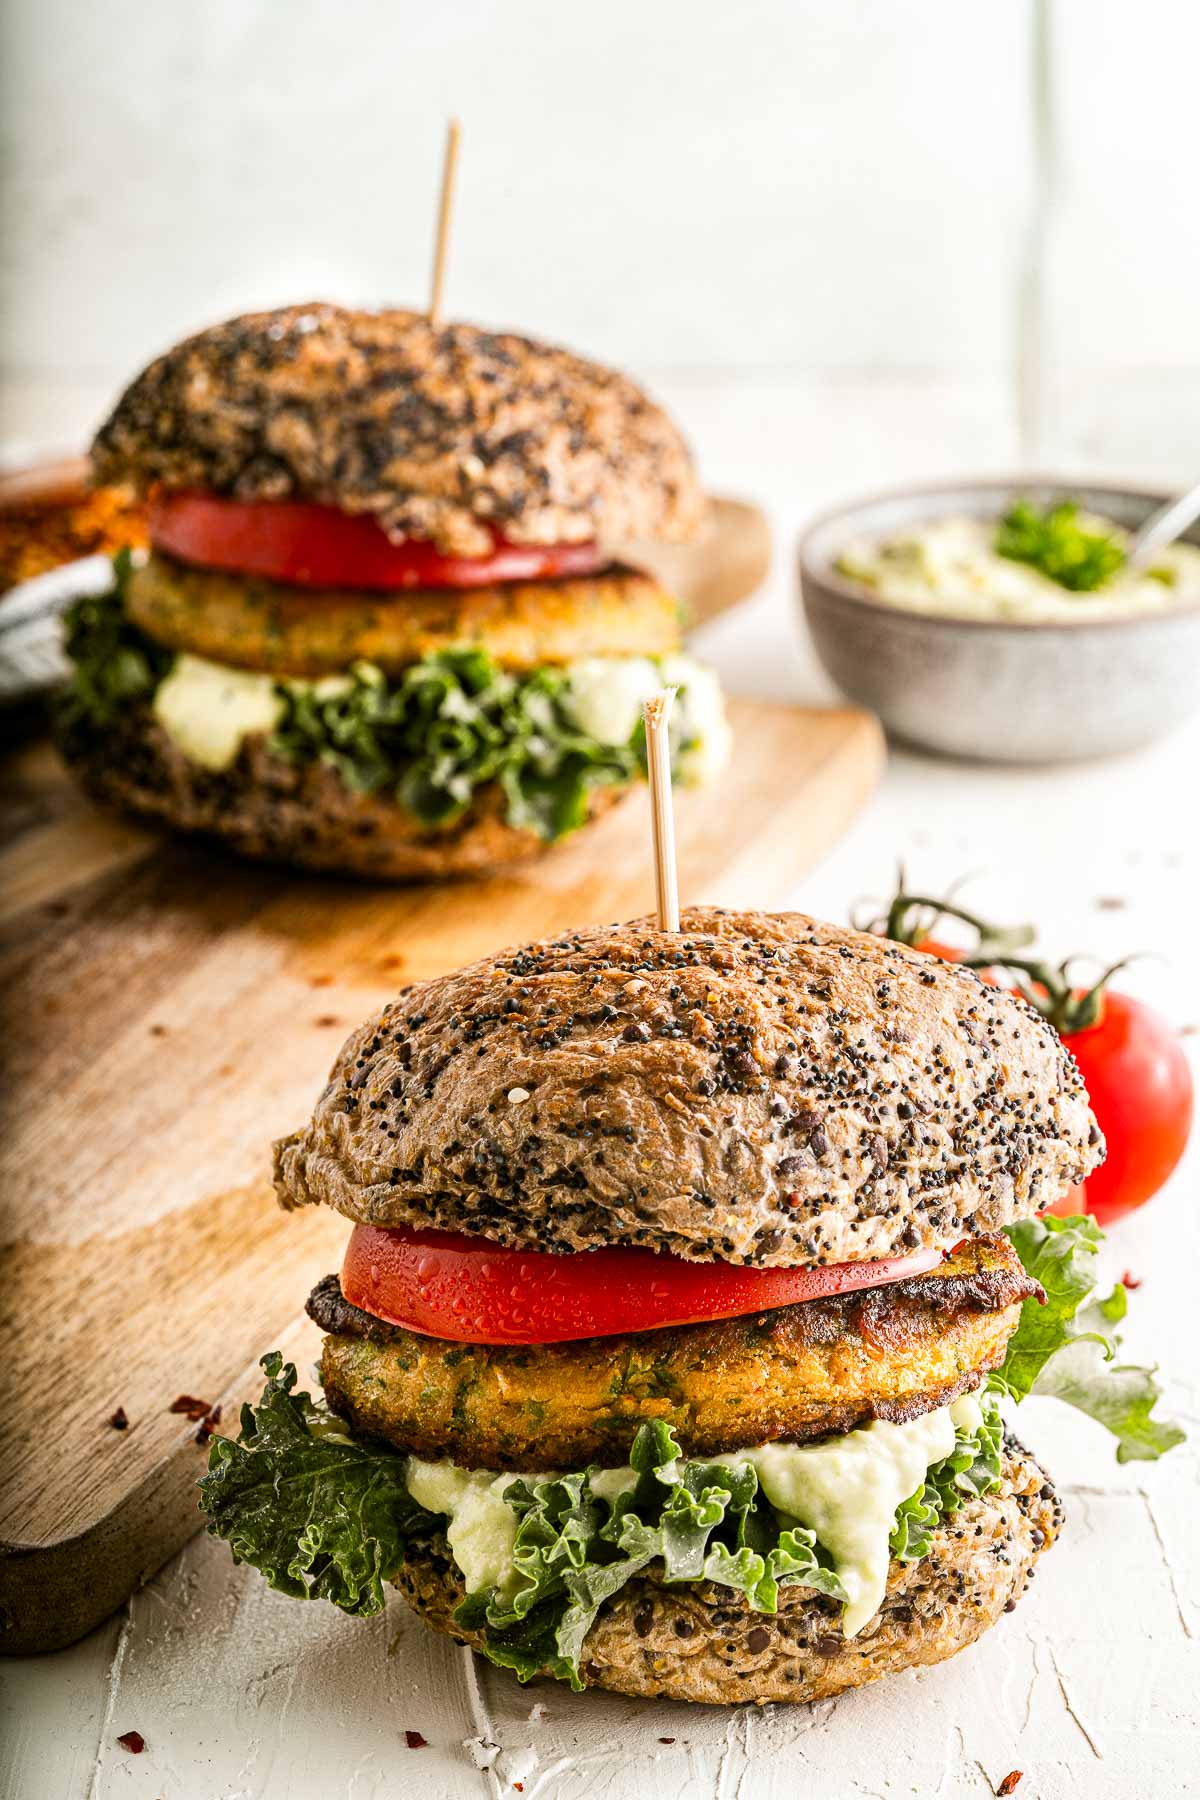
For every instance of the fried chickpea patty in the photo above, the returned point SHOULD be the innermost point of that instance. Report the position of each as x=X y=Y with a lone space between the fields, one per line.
x=795 y=1373
x=279 y=630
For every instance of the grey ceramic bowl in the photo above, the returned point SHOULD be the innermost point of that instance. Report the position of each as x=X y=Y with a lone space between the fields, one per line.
x=1000 y=692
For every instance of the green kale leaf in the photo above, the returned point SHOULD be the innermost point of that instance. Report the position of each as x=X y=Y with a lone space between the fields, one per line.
x=448 y=726
x=971 y=1470
x=1054 y=542
x=113 y=664
x=320 y=1517
x=1067 y=1347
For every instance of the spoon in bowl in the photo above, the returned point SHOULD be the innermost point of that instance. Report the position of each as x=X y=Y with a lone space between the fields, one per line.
x=1162 y=528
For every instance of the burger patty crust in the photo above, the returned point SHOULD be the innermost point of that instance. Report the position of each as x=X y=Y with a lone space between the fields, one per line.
x=795 y=1373
x=699 y=1641
x=303 y=814
x=753 y=1088
x=309 y=632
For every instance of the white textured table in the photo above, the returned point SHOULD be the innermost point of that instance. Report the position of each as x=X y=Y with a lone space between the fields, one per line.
x=1092 y=1687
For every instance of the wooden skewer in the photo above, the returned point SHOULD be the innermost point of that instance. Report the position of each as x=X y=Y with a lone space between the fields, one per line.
x=446 y=206
x=657 y=714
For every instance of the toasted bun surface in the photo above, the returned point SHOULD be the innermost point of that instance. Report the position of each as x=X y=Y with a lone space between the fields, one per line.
x=757 y=1088
x=440 y=431
x=257 y=624
x=272 y=810
x=698 y=1641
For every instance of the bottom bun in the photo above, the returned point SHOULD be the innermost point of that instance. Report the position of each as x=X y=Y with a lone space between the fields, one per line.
x=702 y=1642
x=304 y=814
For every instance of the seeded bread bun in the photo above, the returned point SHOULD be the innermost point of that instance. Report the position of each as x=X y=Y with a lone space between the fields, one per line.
x=756 y=1088
x=440 y=431
x=272 y=810
x=698 y=1641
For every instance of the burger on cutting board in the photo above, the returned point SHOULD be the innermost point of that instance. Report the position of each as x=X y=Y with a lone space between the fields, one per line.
x=691 y=1278
x=378 y=629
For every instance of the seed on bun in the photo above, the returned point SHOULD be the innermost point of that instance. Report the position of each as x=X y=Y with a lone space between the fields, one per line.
x=380 y=629
x=756 y=1088
x=692 y=1276
x=438 y=431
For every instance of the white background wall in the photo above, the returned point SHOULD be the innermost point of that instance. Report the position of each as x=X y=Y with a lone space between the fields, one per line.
x=943 y=233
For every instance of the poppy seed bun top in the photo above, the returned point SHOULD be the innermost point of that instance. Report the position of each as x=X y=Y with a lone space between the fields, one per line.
x=755 y=1088
x=438 y=430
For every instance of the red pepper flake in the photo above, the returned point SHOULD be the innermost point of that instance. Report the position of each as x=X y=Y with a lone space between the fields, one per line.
x=520 y=1786
x=120 y=1420
x=1130 y=1280
x=325 y=1020
x=133 y=1741
x=1010 y=1781
x=415 y=1741
x=207 y=1425
x=188 y=1403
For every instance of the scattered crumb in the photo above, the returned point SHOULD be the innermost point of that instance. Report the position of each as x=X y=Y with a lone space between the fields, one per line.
x=391 y=962
x=321 y=981
x=538 y=1713
x=133 y=1741
x=55 y=909
x=415 y=1741
x=666 y=1740
x=189 y=1404
x=482 y=1751
x=1109 y=903
x=1130 y=1280
x=324 y=1020
x=158 y=1031
x=517 y=1096
x=1010 y=1781
x=120 y=1420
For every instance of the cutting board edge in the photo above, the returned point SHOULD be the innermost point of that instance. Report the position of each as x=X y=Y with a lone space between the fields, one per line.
x=45 y=1606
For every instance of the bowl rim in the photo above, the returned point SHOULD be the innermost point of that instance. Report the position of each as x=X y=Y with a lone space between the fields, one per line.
x=848 y=593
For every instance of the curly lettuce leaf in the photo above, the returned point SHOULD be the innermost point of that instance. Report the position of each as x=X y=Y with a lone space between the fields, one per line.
x=575 y=1549
x=448 y=725
x=1067 y=1347
x=113 y=664
x=319 y=1516
x=971 y=1470
x=324 y=1516
x=431 y=737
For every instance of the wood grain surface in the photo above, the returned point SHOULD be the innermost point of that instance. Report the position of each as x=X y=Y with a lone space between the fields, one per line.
x=169 y=1012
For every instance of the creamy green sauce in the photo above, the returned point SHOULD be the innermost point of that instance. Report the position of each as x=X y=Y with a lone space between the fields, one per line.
x=209 y=709
x=845 y=1489
x=950 y=566
x=482 y=1526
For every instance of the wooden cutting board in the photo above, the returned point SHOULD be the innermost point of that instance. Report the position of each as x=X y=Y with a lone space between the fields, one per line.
x=169 y=1012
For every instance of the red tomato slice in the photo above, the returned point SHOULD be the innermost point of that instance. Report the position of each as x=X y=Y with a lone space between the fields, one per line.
x=445 y=1285
x=306 y=545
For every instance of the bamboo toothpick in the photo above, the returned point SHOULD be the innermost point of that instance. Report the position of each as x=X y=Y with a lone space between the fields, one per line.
x=657 y=714
x=445 y=208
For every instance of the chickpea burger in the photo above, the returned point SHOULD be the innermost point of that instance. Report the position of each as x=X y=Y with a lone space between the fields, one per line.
x=380 y=627
x=688 y=1276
